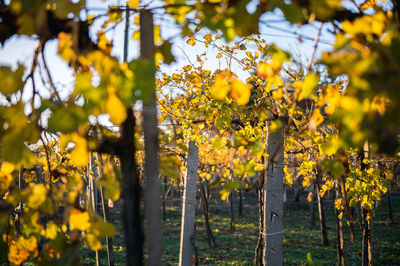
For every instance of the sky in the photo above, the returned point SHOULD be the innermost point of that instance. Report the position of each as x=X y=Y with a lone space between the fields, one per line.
x=274 y=29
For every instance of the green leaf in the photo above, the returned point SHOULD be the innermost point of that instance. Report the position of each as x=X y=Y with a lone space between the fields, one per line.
x=13 y=148
x=227 y=188
x=11 y=81
x=324 y=9
x=93 y=241
x=293 y=13
x=333 y=167
x=111 y=186
x=102 y=229
x=64 y=8
x=84 y=87
x=310 y=82
x=66 y=119
x=165 y=50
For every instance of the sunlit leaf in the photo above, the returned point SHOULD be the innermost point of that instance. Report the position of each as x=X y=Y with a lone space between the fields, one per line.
x=37 y=195
x=65 y=46
x=191 y=41
x=93 y=241
x=116 y=109
x=102 y=229
x=309 y=83
x=316 y=119
x=227 y=188
x=51 y=230
x=240 y=92
x=79 y=220
x=265 y=70
x=221 y=87
x=133 y=3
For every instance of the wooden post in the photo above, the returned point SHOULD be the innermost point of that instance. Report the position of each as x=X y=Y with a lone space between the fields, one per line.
x=131 y=217
x=312 y=205
x=189 y=206
x=240 y=211
x=164 y=199
x=258 y=256
x=339 y=233
x=322 y=222
x=126 y=35
x=93 y=175
x=106 y=217
x=152 y=193
x=232 y=208
x=210 y=237
x=273 y=199
x=366 y=217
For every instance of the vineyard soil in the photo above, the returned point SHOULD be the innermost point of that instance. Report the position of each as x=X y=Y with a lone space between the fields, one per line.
x=237 y=248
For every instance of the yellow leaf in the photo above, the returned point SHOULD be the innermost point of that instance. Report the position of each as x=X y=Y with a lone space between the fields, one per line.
x=6 y=178
x=208 y=37
x=51 y=230
x=116 y=109
x=230 y=29
x=331 y=146
x=220 y=88
x=331 y=99
x=79 y=220
x=133 y=3
x=309 y=197
x=21 y=249
x=240 y=92
x=316 y=119
x=191 y=41
x=219 y=55
x=104 y=44
x=310 y=82
x=338 y=204
x=368 y=4
x=80 y=154
x=224 y=194
x=37 y=195
x=136 y=35
x=277 y=94
x=379 y=104
x=157 y=35
x=93 y=241
x=136 y=20
x=16 y=255
x=158 y=57
x=275 y=125
x=258 y=167
x=65 y=46
x=265 y=70
x=7 y=168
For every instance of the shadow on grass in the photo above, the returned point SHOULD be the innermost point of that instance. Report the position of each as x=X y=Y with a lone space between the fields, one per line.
x=237 y=248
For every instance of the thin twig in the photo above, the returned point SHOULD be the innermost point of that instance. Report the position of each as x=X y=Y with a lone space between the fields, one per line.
x=314 y=48
x=48 y=73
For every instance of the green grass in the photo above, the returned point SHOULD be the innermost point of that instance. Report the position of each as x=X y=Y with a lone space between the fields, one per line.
x=237 y=248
